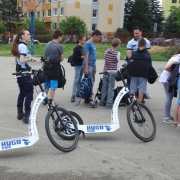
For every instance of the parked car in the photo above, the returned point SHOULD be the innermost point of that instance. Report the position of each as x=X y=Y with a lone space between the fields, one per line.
x=157 y=41
x=171 y=41
x=2 y=41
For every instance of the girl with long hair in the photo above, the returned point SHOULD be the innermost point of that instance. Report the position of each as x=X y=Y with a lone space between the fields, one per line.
x=23 y=58
x=78 y=57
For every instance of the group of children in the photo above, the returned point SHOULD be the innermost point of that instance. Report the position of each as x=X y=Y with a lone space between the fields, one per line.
x=139 y=70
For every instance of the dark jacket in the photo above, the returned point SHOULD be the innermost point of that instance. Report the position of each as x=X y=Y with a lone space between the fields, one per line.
x=77 y=53
x=141 y=63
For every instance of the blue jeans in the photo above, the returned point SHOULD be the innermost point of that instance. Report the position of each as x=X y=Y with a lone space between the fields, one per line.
x=78 y=72
x=168 y=101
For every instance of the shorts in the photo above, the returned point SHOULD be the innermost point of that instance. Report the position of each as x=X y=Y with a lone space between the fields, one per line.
x=138 y=83
x=51 y=84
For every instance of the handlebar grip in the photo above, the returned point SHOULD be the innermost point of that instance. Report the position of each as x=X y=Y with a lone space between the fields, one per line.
x=101 y=72
x=17 y=73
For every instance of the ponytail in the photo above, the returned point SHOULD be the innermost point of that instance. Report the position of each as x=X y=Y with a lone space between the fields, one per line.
x=14 y=50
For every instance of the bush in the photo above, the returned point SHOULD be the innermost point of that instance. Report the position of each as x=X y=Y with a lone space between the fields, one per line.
x=44 y=37
x=171 y=51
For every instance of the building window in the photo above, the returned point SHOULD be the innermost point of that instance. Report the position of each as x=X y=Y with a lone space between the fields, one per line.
x=94 y=27
x=95 y=1
x=49 y=12
x=110 y=7
x=109 y=20
x=55 y=12
x=49 y=1
x=77 y=5
x=55 y=0
x=62 y=11
x=174 y=1
x=38 y=14
x=43 y=14
x=94 y=13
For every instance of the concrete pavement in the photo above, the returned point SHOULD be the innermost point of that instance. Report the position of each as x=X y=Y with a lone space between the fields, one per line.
x=118 y=156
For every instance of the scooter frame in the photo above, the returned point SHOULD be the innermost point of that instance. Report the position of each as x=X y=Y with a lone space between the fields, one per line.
x=33 y=137
x=103 y=127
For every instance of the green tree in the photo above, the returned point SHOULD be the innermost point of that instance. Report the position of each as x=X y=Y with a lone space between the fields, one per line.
x=170 y=25
x=156 y=15
x=73 y=26
x=127 y=11
x=175 y=12
x=10 y=16
x=39 y=26
x=139 y=16
x=2 y=28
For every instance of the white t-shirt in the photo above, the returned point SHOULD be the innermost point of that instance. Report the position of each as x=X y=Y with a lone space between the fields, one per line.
x=165 y=74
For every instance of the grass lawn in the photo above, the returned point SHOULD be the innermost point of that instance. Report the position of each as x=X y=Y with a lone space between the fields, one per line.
x=5 y=50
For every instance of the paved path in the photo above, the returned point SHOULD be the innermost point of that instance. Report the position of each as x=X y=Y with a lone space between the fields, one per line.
x=119 y=155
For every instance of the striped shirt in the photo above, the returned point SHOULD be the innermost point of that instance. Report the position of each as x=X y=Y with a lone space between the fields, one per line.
x=111 y=59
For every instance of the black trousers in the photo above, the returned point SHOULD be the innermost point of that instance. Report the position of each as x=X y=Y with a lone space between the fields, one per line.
x=25 y=92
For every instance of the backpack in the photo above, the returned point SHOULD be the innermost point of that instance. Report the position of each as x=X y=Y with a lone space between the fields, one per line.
x=98 y=94
x=172 y=79
x=85 y=88
x=70 y=60
x=62 y=79
x=124 y=100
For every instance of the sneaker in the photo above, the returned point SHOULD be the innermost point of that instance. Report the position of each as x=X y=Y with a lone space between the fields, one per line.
x=168 y=117
x=168 y=120
x=102 y=104
x=108 y=107
x=92 y=104
x=72 y=99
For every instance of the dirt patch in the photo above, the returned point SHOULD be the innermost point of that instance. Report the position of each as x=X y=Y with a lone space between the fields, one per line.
x=155 y=49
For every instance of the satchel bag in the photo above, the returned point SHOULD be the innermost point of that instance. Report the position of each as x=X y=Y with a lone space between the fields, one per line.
x=42 y=76
x=62 y=79
x=125 y=74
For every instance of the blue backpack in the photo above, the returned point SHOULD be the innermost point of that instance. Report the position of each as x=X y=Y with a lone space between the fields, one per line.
x=85 y=88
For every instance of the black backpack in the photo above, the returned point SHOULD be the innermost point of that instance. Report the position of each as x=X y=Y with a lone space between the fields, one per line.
x=62 y=79
x=172 y=79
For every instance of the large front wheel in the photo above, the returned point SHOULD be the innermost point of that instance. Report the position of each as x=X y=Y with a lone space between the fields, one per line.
x=61 y=129
x=141 y=122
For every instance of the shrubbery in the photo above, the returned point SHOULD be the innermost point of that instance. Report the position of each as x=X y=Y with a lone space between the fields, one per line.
x=44 y=37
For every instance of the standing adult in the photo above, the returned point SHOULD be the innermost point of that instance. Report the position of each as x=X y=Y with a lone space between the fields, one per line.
x=54 y=52
x=23 y=58
x=132 y=45
x=90 y=61
x=78 y=56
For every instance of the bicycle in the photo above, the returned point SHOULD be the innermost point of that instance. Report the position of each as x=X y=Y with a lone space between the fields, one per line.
x=61 y=128
x=139 y=117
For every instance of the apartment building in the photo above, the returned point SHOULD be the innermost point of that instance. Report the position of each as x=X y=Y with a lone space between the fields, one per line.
x=105 y=15
x=166 y=4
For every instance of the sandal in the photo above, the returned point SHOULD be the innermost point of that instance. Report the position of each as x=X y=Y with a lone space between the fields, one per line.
x=178 y=126
x=174 y=123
